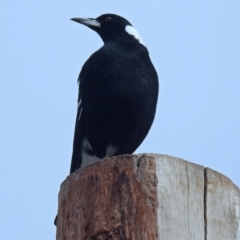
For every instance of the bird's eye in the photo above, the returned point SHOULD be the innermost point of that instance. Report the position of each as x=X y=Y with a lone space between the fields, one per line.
x=107 y=19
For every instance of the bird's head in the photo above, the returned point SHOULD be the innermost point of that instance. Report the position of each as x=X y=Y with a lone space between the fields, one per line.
x=112 y=27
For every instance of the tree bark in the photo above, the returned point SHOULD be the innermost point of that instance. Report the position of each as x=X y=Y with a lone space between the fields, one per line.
x=148 y=197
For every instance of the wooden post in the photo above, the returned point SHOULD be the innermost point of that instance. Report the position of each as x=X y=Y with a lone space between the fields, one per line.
x=148 y=197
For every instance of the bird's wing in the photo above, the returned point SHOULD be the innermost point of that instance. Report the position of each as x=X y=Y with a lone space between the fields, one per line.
x=78 y=138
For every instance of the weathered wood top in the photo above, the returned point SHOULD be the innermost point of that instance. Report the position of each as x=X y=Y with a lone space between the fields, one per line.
x=144 y=197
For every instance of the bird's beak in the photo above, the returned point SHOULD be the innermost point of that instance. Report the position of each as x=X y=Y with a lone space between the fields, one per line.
x=90 y=22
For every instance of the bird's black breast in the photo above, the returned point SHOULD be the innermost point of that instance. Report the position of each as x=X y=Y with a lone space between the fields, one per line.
x=119 y=90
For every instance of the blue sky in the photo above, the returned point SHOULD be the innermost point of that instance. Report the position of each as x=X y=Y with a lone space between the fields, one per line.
x=195 y=47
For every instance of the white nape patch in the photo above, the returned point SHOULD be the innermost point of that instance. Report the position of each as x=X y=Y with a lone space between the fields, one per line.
x=132 y=31
x=110 y=151
x=86 y=158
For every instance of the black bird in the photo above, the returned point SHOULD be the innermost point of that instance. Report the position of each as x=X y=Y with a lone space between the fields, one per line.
x=118 y=91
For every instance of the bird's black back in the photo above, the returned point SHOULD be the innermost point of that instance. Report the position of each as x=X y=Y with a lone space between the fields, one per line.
x=118 y=91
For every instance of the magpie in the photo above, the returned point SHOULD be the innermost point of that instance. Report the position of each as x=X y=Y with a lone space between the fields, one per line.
x=118 y=92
